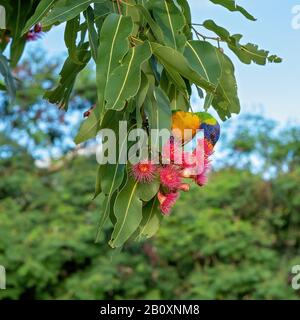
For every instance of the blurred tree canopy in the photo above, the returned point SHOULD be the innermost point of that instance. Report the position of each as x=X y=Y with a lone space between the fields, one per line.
x=42 y=129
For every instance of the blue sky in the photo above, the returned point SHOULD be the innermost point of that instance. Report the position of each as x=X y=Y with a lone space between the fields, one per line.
x=273 y=89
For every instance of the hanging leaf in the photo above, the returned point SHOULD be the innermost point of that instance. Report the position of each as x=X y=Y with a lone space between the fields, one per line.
x=143 y=90
x=232 y=6
x=147 y=191
x=98 y=188
x=225 y=100
x=125 y=80
x=41 y=10
x=130 y=10
x=16 y=22
x=203 y=58
x=16 y=51
x=140 y=99
x=171 y=21
x=163 y=112
x=64 y=10
x=158 y=110
x=113 y=46
x=178 y=100
x=101 y=10
x=111 y=178
x=128 y=212
x=72 y=27
x=177 y=65
x=157 y=32
x=208 y=61
x=8 y=78
x=151 y=220
x=68 y=74
x=185 y=7
x=93 y=36
x=111 y=174
x=246 y=53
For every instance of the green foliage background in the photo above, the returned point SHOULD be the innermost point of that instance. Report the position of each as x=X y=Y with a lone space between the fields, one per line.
x=235 y=239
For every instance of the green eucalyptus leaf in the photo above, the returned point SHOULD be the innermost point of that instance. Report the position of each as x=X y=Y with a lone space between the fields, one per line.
x=101 y=10
x=151 y=220
x=128 y=212
x=176 y=64
x=112 y=216
x=225 y=100
x=217 y=68
x=143 y=90
x=89 y=127
x=163 y=112
x=113 y=46
x=203 y=58
x=125 y=80
x=171 y=21
x=157 y=32
x=232 y=6
x=18 y=19
x=147 y=191
x=179 y=101
x=158 y=111
x=111 y=178
x=130 y=10
x=112 y=175
x=93 y=36
x=8 y=78
x=64 y=10
x=72 y=27
x=16 y=23
x=140 y=98
x=61 y=94
x=175 y=78
x=251 y=53
x=98 y=188
x=246 y=53
x=185 y=7
x=16 y=50
x=41 y=10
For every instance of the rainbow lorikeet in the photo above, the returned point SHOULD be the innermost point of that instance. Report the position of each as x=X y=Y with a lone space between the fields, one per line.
x=210 y=126
x=182 y=120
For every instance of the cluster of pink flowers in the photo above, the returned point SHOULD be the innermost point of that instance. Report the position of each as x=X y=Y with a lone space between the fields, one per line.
x=34 y=33
x=175 y=167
